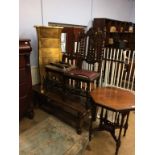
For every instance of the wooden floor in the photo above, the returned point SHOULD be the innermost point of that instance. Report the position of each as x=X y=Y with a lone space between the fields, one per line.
x=102 y=142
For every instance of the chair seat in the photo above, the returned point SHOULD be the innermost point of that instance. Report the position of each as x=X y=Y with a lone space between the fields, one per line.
x=91 y=75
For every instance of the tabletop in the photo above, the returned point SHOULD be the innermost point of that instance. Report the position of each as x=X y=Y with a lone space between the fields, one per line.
x=114 y=98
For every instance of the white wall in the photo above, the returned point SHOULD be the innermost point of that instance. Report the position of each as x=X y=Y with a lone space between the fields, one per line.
x=132 y=17
x=79 y=12
x=67 y=11
x=114 y=9
x=30 y=15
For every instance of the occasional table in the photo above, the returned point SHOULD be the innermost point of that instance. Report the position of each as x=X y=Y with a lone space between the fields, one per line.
x=116 y=104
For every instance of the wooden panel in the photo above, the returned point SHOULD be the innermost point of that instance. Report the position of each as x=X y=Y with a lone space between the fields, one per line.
x=22 y=75
x=49 y=32
x=50 y=43
x=23 y=106
x=22 y=61
x=23 y=90
x=25 y=82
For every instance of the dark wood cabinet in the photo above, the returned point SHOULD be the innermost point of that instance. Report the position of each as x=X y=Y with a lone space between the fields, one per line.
x=118 y=34
x=25 y=82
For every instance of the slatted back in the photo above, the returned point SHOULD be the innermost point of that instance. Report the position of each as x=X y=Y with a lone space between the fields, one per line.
x=118 y=68
x=93 y=53
x=88 y=55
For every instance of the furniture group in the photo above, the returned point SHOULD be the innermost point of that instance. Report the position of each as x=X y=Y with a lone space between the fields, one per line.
x=66 y=86
x=72 y=84
x=59 y=94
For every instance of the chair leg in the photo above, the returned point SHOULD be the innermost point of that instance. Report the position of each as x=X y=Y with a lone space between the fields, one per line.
x=79 y=124
x=94 y=112
x=90 y=128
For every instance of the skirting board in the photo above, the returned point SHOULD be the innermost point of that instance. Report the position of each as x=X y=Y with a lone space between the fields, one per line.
x=35 y=75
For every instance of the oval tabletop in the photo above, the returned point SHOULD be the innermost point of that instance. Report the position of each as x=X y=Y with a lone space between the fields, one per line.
x=116 y=99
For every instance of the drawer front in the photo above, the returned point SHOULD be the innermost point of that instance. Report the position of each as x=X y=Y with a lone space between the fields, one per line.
x=22 y=75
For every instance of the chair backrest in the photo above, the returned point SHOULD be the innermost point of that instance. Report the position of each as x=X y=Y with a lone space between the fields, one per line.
x=93 y=53
x=118 y=68
x=89 y=51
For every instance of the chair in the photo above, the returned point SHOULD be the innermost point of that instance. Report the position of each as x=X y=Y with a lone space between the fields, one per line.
x=88 y=61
